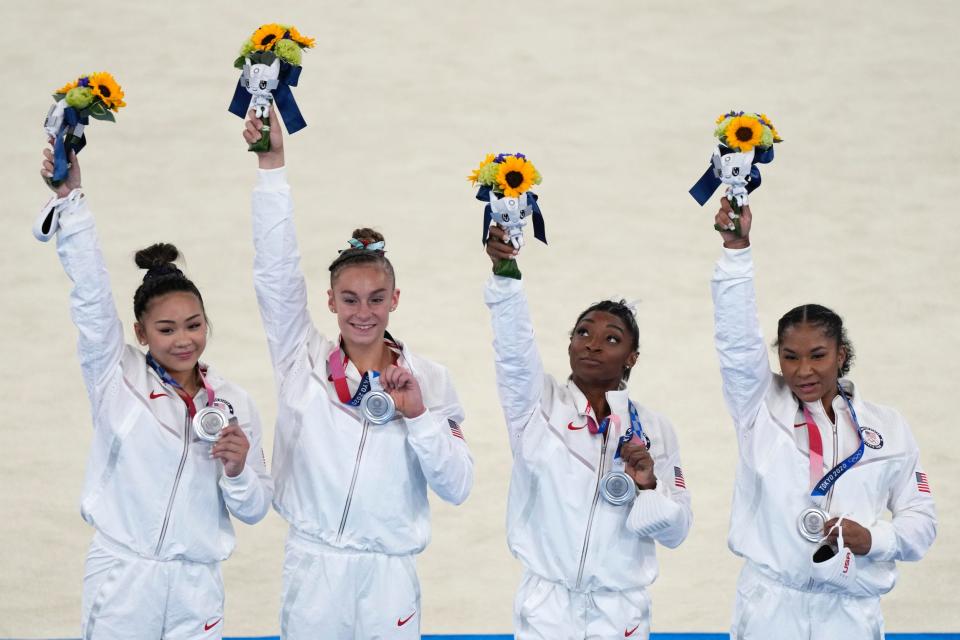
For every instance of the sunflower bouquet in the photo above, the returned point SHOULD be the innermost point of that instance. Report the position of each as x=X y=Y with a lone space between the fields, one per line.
x=505 y=181
x=745 y=140
x=270 y=64
x=95 y=95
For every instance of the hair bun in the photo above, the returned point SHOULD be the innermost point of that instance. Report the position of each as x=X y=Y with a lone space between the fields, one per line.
x=156 y=255
x=367 y=235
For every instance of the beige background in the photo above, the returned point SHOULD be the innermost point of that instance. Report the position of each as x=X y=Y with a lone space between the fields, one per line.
x=615 y=102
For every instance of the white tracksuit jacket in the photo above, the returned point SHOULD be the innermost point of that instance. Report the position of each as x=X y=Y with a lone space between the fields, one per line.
x=557 y=524
x=339 y=482
x=150 y=485
x=772 y=480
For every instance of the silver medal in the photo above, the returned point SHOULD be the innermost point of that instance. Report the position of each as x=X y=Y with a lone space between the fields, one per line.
x=810 y=523
x=378 y=407
x=618 y=488
x=209 y=422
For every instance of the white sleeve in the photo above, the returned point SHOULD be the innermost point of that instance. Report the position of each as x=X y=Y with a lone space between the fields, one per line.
x=248 y=495
x=744 y=366
x=519 y=368
x=279 y=283
x=914 y=525
x=100 y=343
x=664 y=513
x=444 y=457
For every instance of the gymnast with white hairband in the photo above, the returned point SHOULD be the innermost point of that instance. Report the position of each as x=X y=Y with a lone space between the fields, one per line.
x=596 y=479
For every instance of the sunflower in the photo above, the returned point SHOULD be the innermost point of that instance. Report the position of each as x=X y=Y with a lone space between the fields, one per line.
x=475 y=174
x=515 y=175
x=299 y=38
x=743 y=133
x=66 y=88
x=107 y=89
x=266 y=36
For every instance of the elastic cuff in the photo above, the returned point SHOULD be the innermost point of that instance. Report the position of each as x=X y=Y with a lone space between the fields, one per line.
x=272 y=179
x=240 y=481
x=883 y=542
x=421 y=426
x=652 y=513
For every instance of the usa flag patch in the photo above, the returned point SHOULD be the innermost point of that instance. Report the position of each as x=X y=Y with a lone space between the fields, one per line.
x=678 y=478
x=922 y=484
x=455 y=429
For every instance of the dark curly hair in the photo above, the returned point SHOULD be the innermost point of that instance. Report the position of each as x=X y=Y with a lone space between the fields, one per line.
x=818 y=316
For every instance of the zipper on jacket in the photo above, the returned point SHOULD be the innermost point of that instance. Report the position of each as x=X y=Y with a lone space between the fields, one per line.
x=353 y=481
x=176 y=482
x=593 y=509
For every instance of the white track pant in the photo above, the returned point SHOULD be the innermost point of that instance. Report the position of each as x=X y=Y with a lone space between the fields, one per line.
x=129 y=597
x=337 y=594
x=546 y=610
x=766 y=608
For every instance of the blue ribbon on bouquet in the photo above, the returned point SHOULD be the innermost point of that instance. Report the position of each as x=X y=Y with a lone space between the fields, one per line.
x=539 y=231
x=282 y=96
x=62 y=147
x=708 y=182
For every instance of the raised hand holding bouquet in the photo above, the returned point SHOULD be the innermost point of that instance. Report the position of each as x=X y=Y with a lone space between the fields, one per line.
x=270 y=61
x=505 y=181
x=95 y=95
x=746 y=140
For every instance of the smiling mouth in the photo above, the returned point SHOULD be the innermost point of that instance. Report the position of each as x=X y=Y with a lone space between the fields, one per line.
x=183 y=356
x=362 y=327
x=807 y=386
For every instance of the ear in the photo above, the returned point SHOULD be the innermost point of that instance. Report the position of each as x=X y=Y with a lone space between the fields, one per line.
x=331 y=301
x=394 y=299
x=632 y=359
x=842 y=356
x=140 y=333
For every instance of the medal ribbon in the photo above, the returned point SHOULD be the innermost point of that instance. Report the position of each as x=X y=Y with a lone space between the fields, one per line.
x=165 y=377
x=635 y=430
x=816 y=447
x=370 y=380
x=827 y=481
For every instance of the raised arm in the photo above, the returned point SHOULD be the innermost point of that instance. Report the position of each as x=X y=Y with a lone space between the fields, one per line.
x=100 y=343
x=279 y=283
x=519 y=369
x=744 y=366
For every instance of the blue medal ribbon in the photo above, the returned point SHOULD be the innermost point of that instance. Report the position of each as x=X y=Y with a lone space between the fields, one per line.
x=62 y=146
x=635 y=429
x=707 y=184
x=827 y=482
x=539 y=230
x=282 y=96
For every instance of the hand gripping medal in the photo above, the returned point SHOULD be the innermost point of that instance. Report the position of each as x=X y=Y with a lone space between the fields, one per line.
x=95 y=95
x=746 y=140
x=616 y=487
x=270 y=64
x=505 y=181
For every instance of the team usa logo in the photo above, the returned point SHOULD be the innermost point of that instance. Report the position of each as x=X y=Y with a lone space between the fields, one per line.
x=871 y=438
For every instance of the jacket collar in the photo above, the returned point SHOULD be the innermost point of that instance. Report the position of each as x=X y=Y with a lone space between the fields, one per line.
x=617 y=400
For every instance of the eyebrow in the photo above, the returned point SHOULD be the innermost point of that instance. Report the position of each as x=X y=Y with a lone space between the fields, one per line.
x=353 y=293
x=193 y=317
x=613 y=326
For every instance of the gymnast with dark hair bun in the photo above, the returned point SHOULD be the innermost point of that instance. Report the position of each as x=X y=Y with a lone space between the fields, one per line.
x=597 y=480
x=176 y=447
